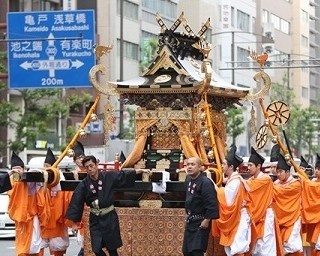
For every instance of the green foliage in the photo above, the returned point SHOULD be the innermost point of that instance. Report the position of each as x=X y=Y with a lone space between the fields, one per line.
x=70 y=131
x=75 y=99
x=148 y=52
x=235 y=123
x=128 y=132
x=281 y=93
x=3 y=62
x=42 y=108
x=300 y=128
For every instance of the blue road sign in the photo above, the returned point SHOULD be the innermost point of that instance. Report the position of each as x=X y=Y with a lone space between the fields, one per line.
x=50 y=49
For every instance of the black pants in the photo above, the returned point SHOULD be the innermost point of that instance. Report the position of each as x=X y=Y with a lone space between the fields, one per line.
x=81 y=252
x=111 y=253
x=194 y=253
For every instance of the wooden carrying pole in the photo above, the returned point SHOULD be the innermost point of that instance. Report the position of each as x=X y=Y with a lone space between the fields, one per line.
x=75 y=137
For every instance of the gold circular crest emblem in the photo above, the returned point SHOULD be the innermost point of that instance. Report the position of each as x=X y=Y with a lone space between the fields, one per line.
x=162 y=79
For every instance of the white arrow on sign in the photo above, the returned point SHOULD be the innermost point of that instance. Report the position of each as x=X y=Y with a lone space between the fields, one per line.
x=51 y=56
x=51 y=64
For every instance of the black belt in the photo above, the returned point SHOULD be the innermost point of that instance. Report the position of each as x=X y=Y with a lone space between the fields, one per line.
x=194 y=217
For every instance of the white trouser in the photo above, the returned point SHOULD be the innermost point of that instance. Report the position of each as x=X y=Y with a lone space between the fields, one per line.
x=317 y=245
x=266 y=246
x=242 y=238
x=35 y=244
x=294 y=243
x=56 y=243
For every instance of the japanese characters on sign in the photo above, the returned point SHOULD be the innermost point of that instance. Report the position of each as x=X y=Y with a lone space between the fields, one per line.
x=50 y=49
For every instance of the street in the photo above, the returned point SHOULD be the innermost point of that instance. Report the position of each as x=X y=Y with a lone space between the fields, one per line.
x=8 y=248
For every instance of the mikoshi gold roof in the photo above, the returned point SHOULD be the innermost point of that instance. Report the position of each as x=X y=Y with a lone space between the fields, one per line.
x=177 y=70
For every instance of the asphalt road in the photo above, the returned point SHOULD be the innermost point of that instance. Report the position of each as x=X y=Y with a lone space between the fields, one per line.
x=8 y=248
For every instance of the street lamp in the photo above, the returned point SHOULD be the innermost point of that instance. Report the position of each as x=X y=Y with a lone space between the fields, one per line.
x=264 y=40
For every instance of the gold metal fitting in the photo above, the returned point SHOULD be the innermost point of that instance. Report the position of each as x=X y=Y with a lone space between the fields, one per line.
x=205 y=133
x=203 y=116
x=274 y=140
x=70 y=152
x=93 y=117
x=266 y=121
x=16 y=177
x=82 y=133
x=287 y=157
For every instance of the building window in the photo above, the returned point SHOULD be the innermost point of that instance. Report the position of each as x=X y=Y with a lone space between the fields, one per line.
x=305 y=65
x=304 y=41
x=232 y=16
x=130 y=10
x=304 y=92
x=265 y=16
x=146 y=34
x=313 y=82
x=130 y=50
x=242 y=57
x=285 y=26
x=220 y=52
x=304 y=16
x=275 y=20
x=148 y=47
x=166 y=8
x=280 y=24
x=243 y=21
x=253 y=23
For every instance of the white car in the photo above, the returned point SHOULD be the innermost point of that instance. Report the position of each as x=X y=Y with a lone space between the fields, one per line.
x=7 y=227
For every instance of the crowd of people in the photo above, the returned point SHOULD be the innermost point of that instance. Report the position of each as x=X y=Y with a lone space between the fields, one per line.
x=259 y=216
x=255 y=216
x=42 y=214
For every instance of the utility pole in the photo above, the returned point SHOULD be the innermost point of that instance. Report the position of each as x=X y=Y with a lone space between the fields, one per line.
x=121 y=71
x=232 y=58
x=288 y=71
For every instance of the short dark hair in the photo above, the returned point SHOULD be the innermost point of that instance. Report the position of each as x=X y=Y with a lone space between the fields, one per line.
x=76 y=157
x=88 y=158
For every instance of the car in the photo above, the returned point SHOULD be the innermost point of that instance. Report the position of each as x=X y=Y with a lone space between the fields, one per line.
x=37 y=163
x=7 y=226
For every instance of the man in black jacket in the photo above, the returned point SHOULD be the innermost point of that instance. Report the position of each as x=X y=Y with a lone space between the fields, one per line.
x=201 y=207
x=96 y=190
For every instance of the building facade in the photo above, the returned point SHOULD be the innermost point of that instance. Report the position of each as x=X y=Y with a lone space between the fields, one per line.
x=286 y=29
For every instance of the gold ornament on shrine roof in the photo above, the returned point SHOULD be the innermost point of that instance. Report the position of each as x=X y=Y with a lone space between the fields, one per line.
x=261 y=59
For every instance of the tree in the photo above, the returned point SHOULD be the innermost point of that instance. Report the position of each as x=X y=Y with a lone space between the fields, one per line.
x=300 y=128
x=129 y=130
x=148 y=53
x=235 y=123
x=42 y=108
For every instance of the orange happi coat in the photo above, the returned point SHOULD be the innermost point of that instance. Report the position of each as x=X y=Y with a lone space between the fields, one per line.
x=22 y=208
x=260 y=194
x=227 y=225
x=287 y=206
x=311 y=209
x=58 y=202
x=261 y=197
